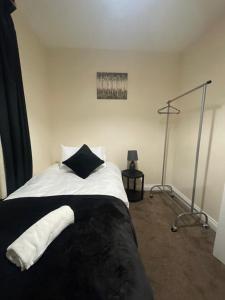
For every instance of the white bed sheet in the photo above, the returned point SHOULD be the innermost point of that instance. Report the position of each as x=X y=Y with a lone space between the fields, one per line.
x=61 y=181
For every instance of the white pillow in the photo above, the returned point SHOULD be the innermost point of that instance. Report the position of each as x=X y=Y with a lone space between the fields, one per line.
x=67 y=152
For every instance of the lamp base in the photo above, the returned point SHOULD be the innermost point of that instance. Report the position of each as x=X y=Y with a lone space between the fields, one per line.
x=132 y=165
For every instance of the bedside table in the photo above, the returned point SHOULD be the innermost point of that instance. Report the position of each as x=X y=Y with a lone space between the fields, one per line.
x=132 y=194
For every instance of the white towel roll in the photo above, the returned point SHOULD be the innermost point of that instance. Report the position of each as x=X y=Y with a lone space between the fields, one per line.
x=30 y=245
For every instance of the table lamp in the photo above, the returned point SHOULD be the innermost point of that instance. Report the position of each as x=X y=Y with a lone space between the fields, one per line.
x=132 y=156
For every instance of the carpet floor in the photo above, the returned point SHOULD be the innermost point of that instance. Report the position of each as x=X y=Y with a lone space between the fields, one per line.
x=180 y=266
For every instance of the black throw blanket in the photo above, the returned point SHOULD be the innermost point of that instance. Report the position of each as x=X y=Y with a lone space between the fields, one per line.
x=96 y=258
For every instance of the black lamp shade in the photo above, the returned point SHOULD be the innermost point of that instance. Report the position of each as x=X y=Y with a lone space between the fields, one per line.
x=132 y=155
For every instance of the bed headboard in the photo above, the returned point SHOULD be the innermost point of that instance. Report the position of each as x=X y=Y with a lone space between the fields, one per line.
x=3 y=192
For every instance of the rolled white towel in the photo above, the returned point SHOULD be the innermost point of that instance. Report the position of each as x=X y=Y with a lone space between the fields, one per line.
x=30 y=245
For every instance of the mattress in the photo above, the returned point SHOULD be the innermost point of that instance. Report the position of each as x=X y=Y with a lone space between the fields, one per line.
x=60 y=180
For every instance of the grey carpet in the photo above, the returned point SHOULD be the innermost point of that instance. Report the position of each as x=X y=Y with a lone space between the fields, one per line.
x=180 y=265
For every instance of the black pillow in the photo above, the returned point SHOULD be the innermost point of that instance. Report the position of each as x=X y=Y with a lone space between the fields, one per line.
x=83 y=162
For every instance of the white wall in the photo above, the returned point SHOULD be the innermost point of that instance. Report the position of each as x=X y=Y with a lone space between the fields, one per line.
x=120 y=125
x=219 y=245
x=33 y=57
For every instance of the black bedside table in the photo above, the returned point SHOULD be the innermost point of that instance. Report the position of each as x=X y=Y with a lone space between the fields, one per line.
x=132 y=194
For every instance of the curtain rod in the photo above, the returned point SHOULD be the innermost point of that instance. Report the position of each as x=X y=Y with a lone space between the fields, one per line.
x=190 y=91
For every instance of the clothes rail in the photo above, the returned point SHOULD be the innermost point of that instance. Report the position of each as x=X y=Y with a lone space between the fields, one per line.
x=165 y=188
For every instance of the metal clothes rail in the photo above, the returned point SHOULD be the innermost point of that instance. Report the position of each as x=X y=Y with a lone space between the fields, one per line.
x=169 y=110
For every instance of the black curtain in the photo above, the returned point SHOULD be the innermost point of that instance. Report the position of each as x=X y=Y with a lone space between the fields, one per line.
x=14 y=129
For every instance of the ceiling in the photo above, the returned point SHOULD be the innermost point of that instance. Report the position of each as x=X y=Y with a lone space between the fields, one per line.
x=149 y=25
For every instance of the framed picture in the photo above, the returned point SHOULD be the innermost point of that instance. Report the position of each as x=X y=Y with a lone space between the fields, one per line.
x=112 y=86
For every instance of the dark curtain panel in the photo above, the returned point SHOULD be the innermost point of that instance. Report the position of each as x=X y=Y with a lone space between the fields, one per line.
x=14 y=129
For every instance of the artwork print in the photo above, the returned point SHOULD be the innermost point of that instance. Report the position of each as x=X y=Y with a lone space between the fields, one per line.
x=112 y=86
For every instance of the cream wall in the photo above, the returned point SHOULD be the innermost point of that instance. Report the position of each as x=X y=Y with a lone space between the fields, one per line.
x=77 y=117
x=202 y=61
x=33 y=58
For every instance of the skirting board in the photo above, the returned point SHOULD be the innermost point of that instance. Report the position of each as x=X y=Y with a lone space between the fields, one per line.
x=212 y=223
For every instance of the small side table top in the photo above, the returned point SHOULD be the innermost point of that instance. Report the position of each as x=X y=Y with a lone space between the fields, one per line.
x=132 y=173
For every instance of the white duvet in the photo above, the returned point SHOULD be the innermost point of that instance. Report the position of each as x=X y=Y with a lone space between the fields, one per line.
x=62 y=181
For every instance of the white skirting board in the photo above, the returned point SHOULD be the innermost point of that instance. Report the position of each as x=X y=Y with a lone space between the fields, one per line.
x=219 y=246
x=212 y=223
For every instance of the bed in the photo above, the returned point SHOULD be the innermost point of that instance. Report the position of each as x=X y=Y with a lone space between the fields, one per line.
x=96 y=258
x=59 y=180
